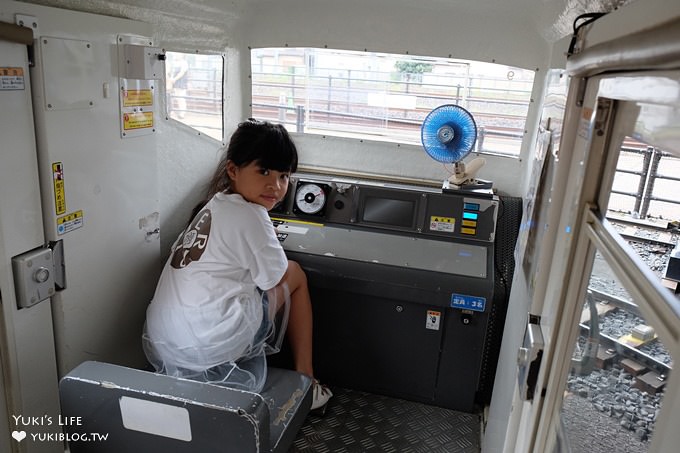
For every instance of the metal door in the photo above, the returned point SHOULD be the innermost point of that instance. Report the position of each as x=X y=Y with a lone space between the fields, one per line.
x=29 y=378
x=615 y=109
x=78 y=169
x=100 y=191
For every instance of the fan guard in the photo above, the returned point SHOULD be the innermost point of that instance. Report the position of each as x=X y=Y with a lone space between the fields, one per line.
x=448 y=133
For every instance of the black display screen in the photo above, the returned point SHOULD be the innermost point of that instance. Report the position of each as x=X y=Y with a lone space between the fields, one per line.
x=389 y=211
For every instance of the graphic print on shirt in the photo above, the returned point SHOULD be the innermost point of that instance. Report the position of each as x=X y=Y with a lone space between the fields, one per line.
x=193 y=242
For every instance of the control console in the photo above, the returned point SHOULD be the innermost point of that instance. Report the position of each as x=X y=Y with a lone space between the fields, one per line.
x=393 y=208
x=402 y=283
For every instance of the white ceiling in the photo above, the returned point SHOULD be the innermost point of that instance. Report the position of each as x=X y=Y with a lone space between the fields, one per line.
x=552 y=19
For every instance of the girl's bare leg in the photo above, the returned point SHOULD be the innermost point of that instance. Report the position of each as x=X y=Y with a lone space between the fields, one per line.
x=300 y=318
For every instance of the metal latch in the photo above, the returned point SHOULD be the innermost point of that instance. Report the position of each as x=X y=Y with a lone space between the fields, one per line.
x=39 y=273
x=529 y=358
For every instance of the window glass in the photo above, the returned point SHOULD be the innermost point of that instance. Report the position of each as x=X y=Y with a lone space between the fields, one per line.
x=646 y=182
x=619 y=372
x=194 y=91
x=387 y=96
x=620 y=366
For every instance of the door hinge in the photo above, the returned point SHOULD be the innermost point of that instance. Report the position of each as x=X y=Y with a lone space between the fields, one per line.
x=39 y=274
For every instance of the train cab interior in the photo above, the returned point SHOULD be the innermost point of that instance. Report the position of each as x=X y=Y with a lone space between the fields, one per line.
x=485 y=207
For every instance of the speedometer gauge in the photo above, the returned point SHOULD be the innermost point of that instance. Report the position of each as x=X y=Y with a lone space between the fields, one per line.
x=310 y=198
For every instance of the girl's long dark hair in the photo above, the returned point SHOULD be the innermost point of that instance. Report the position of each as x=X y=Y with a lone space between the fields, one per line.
x=263 y=142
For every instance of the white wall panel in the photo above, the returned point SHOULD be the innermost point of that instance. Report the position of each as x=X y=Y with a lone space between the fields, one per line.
x=110 y=181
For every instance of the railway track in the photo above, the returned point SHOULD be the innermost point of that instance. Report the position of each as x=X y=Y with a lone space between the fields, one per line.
x=270 y=106
x=623 y=369
x=653 y=244
x=663 y=242
x=614 y=348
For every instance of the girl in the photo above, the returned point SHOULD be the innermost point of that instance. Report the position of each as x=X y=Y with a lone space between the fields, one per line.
x=227 y=276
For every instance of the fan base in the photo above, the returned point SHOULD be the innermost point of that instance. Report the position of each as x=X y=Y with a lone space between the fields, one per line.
x=478 y=187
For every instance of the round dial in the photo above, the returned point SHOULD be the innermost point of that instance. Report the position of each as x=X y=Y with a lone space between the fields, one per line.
x=310 y=198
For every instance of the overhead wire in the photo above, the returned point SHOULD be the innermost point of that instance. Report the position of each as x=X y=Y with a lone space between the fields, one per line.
x=591 y=17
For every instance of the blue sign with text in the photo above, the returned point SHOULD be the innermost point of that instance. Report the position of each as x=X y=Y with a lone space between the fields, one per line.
x=468 y=302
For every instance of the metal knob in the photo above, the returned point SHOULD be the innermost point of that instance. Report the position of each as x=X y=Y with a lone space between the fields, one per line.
x=41 y=275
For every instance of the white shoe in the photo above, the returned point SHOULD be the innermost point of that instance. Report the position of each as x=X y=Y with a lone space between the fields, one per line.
x=320 y=395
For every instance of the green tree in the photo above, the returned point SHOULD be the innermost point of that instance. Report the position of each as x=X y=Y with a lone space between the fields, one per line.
x=409 y=68
x=412 y=67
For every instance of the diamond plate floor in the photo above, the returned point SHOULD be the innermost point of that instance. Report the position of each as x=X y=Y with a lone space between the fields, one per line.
x=358 y=422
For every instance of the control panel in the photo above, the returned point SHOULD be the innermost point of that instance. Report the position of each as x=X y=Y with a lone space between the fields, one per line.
x=397 y=208
x=401 y=272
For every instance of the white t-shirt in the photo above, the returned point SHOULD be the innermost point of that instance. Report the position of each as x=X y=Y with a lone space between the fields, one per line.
x=207 y=307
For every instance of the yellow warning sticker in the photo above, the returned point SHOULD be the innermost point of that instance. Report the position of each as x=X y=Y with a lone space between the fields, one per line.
x=302 y=222
x=59 y=194
x=137 y=120
x=134 y=98
x=12 y=79
x=69 y=222
x=443 y=224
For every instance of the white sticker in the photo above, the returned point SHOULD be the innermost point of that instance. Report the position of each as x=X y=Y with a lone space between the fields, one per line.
x=432 y=321
x=155 y=418
x=285 y=228
x=69 y=222
x=11 y=79
x=584 y=128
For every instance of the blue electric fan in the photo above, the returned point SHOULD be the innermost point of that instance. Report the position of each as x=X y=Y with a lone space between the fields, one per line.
x=449 y=134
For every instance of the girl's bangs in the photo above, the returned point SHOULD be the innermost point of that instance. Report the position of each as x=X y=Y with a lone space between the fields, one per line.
x=278 y=153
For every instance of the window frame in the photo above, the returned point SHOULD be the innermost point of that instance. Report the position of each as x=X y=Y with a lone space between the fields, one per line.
x=286 y=108
x=190 y=103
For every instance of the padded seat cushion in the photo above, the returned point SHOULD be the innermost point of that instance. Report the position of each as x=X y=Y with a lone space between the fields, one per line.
x=117 y=409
